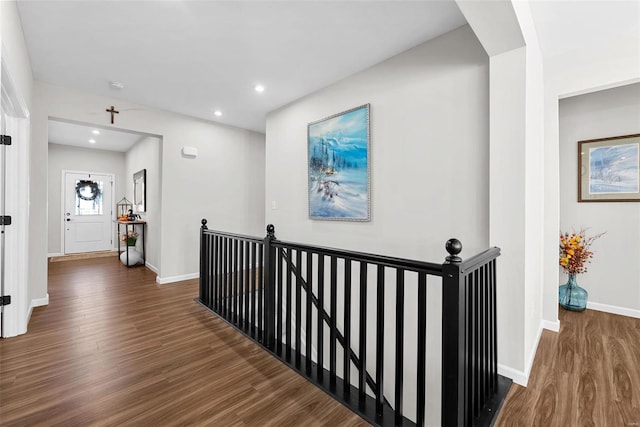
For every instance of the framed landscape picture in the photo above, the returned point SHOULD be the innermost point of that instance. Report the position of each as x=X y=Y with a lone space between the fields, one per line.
x=609 y=169
x=338 y=164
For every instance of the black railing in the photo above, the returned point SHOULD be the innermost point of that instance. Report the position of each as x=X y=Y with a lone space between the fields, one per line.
x=323 y=312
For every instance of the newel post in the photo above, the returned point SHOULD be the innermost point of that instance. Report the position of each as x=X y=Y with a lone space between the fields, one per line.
x=454 y=360
x=203 y=264
x=269 y=287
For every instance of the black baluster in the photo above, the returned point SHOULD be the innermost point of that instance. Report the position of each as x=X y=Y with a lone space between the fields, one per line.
x=253 y=290
x=287 y=351
x=422 y=348
x=399 y=345
x=362 y=336
x=380 y=340
x=347 y=327
x=309 y=322
x=236 y=298
x=320 y=368
x=261 y=291
x=279 y=304
x=333 y=308
x=298 y=305
x=225 y=309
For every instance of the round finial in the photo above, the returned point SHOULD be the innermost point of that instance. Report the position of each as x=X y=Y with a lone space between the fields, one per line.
x=204 y=222
x=454 y=247
x=271 y=230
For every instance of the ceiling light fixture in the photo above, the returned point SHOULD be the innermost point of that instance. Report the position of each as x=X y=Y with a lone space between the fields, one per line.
x=95 y=132
x=217 y=113
x=116 y=85
x=259 y=88
x=92 y=141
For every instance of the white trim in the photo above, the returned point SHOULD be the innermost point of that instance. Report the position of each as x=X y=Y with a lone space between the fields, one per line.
x=532 y=355
x=38 y=302
x=16 y=122
x=151 y=267
x=172 y=279
x=518 y=377
x=623 y=311
x=551 y=326
x=522 y=377
x=54 y=255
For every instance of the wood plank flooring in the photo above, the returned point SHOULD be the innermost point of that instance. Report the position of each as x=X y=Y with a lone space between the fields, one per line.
x=112 y=348
x=588 y=374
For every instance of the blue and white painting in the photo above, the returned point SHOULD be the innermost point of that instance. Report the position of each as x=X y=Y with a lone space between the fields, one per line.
x=614 y=169
x=339 y=166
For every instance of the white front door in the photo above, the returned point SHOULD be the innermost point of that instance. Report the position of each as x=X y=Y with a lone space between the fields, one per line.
x=87 y=215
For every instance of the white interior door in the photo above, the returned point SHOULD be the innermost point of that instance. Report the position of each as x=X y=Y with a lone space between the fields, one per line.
x=87 y=217
x=3 y=172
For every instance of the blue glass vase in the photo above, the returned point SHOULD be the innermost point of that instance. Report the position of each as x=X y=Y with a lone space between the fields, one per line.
x=573 y=297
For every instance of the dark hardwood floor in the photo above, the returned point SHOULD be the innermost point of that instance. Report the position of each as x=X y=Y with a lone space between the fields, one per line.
x=588 y=374
x=114 y=348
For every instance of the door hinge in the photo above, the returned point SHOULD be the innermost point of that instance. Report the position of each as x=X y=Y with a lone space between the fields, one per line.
x=5 y=140
x=5 y=300
x=5 y=220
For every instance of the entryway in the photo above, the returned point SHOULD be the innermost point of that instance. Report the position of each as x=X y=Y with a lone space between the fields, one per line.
x=88 y=212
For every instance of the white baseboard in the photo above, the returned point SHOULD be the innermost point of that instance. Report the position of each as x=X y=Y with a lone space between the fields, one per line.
x=522 y=377
x=151 y=267
x=551 y=326
x=172 y=279
x=54 y=255
x=623 y=311
x=38 y=302
x=518 y=377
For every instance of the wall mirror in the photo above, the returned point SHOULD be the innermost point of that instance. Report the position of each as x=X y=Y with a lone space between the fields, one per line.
x=139 y=190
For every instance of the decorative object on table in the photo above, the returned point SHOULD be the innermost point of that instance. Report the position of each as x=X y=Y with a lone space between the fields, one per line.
x=132 y=217
x=132 y=255
x=338 y=165
x=122 y=208
x=609 y=169
x=574 y=256
x=130 y=237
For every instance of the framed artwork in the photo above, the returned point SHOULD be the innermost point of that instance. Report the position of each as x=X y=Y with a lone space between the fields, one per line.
x=338 y=164
x=609 y=169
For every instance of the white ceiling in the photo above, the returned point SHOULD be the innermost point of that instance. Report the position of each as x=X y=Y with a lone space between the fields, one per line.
x=194 y=57
x=564 y=26
x=78 y=135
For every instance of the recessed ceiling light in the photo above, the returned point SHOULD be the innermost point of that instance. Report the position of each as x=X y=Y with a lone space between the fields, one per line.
x=259 y=88
x=217 y=113
x=92 y=141
x=95 y=132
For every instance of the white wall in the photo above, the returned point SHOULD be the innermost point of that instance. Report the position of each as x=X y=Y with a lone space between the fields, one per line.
x=147 y=154
x=65 y=157
x=224 y=184
x=429 y=172
x=614 y=275
x=429 y=153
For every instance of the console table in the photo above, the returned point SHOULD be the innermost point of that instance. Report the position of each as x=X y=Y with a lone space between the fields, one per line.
x=131 y=225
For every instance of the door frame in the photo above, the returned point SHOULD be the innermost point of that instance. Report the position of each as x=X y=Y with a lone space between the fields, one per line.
x=16 y=274
x=63 y=181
